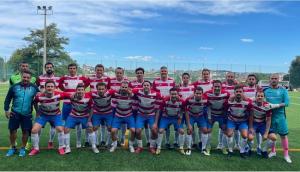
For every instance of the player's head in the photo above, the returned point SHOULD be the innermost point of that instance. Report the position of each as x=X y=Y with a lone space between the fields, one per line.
x=80 y=90
x=163 y=72
x=124 y=88
x=101 y=88
x=217 y=85
x=260 y=96
x=185 y=78
x=251 y=80
x=147 y=86
x=49 y=68
x=274 y=80
x=72 y=68
x=230 y=78
x=26 y=76
x=173 y=94
x=205 y=74
x=119 y=72
x=23 y=66
x=139 y=73
x=49 y=86
x=238 y=92
x=99 y=69
x=198 y=93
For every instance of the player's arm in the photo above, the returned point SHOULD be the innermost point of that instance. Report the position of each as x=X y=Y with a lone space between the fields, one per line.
x=251 y=118
x=7 y=101
x=286 y=99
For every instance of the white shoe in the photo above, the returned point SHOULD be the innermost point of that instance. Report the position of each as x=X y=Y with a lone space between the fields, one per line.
x=112 y=149
x=95 y=150
x=67 y=150
x=272 y=154
x=288 y=159
x=236 y=147
x=220 y=146
x=78 y=145
x=188 y=152
x=131 y=149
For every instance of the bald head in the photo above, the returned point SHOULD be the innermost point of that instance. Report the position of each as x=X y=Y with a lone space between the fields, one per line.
x=274 y=80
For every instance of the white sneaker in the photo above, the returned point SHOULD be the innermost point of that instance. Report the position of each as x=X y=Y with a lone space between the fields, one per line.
x=272 y=154
x=78 y=145
x=288 y=159
x=131 y=149
x=220 y=146
x=236 y=147
x=95 y=150
x=112 y=149
x=188 y=152
x=67 y=150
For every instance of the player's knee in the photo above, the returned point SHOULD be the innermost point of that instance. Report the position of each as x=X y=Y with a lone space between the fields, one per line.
x=272 y=137
x=59 y=129
x=181 y=131
x=161 y=131
x=250 y=137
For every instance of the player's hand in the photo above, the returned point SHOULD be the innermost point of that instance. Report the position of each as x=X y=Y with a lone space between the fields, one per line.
x=265 y=136
x=190 y=127
x=282 y=104
x=154 y=127
x=8 y=114
x=251 y=130
x=89 y=124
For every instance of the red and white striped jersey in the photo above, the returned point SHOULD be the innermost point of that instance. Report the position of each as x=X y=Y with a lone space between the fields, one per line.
x=250 y=92
x=217 y=104
x=115 y=84
x=239 y=111
x=123 y=105
x=205 y=85
x=68 y=84
x=194 y=107
x=49 y=105
x=163 y=87
x=41 y=80
x=94 y=80
x=147 y=104
x=229 y=88
x=81 y=108
x=135 y=84
x=260 y=113
x=102 y=104
x=172 y=109
x=186 y=92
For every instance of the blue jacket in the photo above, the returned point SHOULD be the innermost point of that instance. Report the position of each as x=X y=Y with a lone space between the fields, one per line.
x=22 y=96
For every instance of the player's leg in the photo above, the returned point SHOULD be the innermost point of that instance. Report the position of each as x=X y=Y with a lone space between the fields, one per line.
x=26 y=125
x=130 y=121
x=35 y=136
x=163 y=125
x=70 y=123
x=283 y=132
x=229 y=132
x=154 y=135
x=139 y=124
x=13 y=125
x=243 y=128
x=167 y=137
x=116 y=124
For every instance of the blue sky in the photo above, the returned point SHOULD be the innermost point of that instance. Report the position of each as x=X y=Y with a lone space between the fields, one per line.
x=190 y=34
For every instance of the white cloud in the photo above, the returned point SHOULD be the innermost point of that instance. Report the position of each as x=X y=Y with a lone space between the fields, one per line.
x=139 y=58
x=206 y=48
x=247 y=40
x=78 y=53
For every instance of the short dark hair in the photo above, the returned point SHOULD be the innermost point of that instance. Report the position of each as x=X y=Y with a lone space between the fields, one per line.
x=49 y=81
x=119 y=68
x=205 y=70
x=101 y=84
x=27 y=72
x=173 y=89
x=217 y=81
x=48 y=63
x=239 y=86
x=185 y=73
x=80 y=85
x=163 y=67
x=23 y=62
x=99 y=65
x=252 y=75
x=140 y=68
x=72 y=64
x=148 y=82
x=259 y=91
x=198 y=89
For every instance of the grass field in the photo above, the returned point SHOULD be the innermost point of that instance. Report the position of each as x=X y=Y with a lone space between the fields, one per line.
x=83 y=159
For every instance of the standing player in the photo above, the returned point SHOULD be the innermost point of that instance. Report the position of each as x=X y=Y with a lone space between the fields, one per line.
x=196 y=113
x=21 y=95
x=99 y=77
x=185 y=88
x=216 y=112
x=163 y=84
x=148 y=111
x=41 y=80
x=122 y=102
x=238 y=114
x=47 y=110
x=277 y=95
x=81 y=113
x=172 y=109
x=68 y=84
x=23 y=66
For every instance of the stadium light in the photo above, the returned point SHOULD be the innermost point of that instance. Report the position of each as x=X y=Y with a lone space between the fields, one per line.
x=45 y=11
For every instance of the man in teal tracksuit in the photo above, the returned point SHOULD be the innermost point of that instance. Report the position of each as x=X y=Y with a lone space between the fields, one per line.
x=21 y=95
x=276 y=94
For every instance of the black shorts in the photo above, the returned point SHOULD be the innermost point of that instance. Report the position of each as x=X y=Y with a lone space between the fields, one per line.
x=17 y=119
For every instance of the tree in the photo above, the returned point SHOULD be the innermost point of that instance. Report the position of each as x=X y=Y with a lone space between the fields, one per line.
x=2 y=71
x=33 y=51
x=294 y=72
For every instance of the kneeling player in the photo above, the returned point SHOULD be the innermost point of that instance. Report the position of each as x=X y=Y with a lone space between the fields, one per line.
x=196 y=113
x=172 y=109
x=47 y=110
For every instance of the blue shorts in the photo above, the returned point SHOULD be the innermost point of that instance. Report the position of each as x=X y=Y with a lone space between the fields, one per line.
x=17 y=119
x=56 y=120
x=73 y=121
x=117 y=121
x=66 y=110
x=220 y=119
x=165 y=122
x=239 y=125
x=105 y=119
x=259 y=127
x=199 y=120
x=142 y=120
x=279 y=125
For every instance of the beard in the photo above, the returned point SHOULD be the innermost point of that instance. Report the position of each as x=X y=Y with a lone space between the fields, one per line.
x=49 y=72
